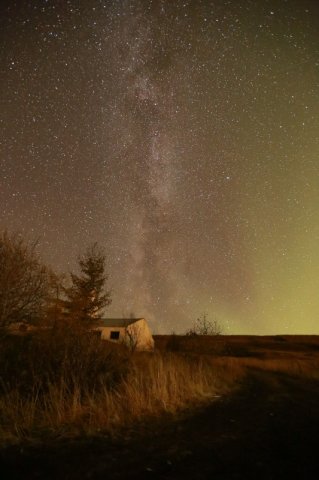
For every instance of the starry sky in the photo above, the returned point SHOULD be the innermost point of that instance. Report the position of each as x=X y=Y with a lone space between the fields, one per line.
x=183 y=137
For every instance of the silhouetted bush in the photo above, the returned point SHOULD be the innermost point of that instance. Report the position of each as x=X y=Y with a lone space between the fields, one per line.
x=64 y=354
x=204 y=326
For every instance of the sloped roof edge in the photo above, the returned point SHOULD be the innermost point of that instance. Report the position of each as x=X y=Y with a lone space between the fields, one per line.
x=117 y=322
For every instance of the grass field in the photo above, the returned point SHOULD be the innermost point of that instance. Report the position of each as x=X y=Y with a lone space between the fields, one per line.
x=57 y=387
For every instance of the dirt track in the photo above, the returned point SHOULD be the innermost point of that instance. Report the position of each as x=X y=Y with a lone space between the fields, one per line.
x=267 y=430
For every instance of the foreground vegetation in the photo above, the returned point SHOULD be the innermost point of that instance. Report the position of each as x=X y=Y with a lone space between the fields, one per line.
x=61 y=384
x=58 y=383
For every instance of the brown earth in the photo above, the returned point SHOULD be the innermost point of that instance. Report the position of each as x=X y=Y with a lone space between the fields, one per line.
x=266 y=429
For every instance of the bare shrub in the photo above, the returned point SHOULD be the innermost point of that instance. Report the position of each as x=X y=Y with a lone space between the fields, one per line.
x=204 y=326
x=23 y=281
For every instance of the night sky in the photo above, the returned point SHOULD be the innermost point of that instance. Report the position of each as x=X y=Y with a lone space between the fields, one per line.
x=183 y=136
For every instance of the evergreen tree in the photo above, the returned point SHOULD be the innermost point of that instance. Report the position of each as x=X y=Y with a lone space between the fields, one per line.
x=87 y=297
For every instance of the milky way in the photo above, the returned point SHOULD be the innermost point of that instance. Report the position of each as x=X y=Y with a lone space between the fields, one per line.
x=183 y=137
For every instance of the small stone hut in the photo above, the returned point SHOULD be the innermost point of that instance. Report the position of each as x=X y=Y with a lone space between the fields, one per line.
x=133 y=332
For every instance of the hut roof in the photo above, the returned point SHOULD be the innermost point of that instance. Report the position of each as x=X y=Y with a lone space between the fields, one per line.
x=117 y=322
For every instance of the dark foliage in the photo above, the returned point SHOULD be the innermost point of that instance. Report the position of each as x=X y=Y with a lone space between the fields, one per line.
x=87 y=297
x=63 y=354
x=23 y=281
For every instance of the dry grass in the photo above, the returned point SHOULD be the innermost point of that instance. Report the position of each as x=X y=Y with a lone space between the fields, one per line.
x=62 y=400
x=155 y=384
